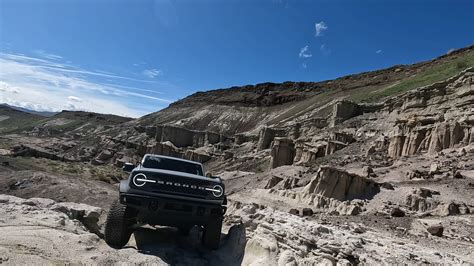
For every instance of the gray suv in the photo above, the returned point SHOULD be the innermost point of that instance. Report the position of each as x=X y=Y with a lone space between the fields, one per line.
x=167 y=191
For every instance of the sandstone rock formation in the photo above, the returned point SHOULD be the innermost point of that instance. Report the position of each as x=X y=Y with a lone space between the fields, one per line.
x=337 y=184
x=344 y=110
x=267 y=135
x=283 y=152
x=430 y=131
x=278 y=238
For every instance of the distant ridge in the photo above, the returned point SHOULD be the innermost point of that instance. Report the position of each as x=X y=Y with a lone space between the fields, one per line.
x=26 y=110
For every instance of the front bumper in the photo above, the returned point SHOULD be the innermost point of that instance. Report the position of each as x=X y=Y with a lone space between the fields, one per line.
x=172 y=212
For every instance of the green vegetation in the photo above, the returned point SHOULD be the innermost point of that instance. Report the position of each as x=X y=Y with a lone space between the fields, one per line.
x=17 y=122
x=106 y=173
x=435 y=74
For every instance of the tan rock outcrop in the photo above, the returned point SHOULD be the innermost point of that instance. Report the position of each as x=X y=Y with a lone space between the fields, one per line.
x=283 y=152
x=267 y=135
x=196 y=156
x=273 y=181
x=421 y=128
x=242 y=138
x=445 y=135
x=166 y=148
x=308 y=152
x=181 y=137
x=343 y=110
x=421 y=200
x=338 y=184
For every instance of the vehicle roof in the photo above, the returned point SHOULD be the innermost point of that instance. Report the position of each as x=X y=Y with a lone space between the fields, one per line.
x=172 y=158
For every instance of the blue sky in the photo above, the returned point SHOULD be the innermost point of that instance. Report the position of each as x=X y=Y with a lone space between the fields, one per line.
x=136 y=56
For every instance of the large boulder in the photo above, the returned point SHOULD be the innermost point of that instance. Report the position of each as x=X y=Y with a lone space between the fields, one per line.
x=436 y=230
x=261 y=249
x=452 y=208
x=86 y=214
x=421 y=200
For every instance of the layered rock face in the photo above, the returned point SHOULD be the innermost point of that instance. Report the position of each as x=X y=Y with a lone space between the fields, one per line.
x=307 y=152
x=182 y=137
x=267 y=135
x=175 y=142
x=434 y=117
x=283 y=152
x=278 y=238
x=344 y=110
x=331 y=190
x=337 y=184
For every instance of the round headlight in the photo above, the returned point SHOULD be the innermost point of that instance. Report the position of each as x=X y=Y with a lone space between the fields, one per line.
x=139 y=180
x=217 y=191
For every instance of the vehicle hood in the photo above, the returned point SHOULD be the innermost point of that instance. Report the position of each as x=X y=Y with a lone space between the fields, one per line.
x=176 y=173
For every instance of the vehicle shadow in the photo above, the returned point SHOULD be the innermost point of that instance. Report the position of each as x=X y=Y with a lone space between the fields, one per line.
x=175 y=248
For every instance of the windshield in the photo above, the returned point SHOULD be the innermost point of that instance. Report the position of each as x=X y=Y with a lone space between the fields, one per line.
x=172 y=165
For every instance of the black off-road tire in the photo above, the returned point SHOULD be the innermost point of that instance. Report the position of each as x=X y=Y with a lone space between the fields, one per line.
x=118 y=226
x=212 y=233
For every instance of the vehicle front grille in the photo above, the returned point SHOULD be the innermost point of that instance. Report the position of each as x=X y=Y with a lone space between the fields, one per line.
x=176 y=185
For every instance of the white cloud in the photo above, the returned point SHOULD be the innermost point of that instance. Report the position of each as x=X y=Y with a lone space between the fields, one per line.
x=67 y=68
x=74 y=99
x=42 y=85
x=378 y=51
x=4 y=87
x=304 y=52
x=320 y=28
x=304 y=65
x=152 y=73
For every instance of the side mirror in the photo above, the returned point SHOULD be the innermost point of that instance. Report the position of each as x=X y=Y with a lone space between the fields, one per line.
x=208 y=174
x=128 y=167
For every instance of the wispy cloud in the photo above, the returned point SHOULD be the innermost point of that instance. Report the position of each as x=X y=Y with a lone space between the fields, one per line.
x=47 y=85
x=378 y=51
x=74 y=99
x=320 y=28
x=152 y=73
x=305 y=53
x=62 y=67
x=304 y=65
x=49 y=56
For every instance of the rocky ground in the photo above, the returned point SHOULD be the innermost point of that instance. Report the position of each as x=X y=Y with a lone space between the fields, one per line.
x=313 y=176
x=42 y=231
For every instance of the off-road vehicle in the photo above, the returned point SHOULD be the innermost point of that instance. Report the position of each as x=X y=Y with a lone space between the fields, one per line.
x=167 y=191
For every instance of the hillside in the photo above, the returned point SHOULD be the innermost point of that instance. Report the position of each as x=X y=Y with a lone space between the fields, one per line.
x=240 y=109
x=13 y=119
x=40 y=113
